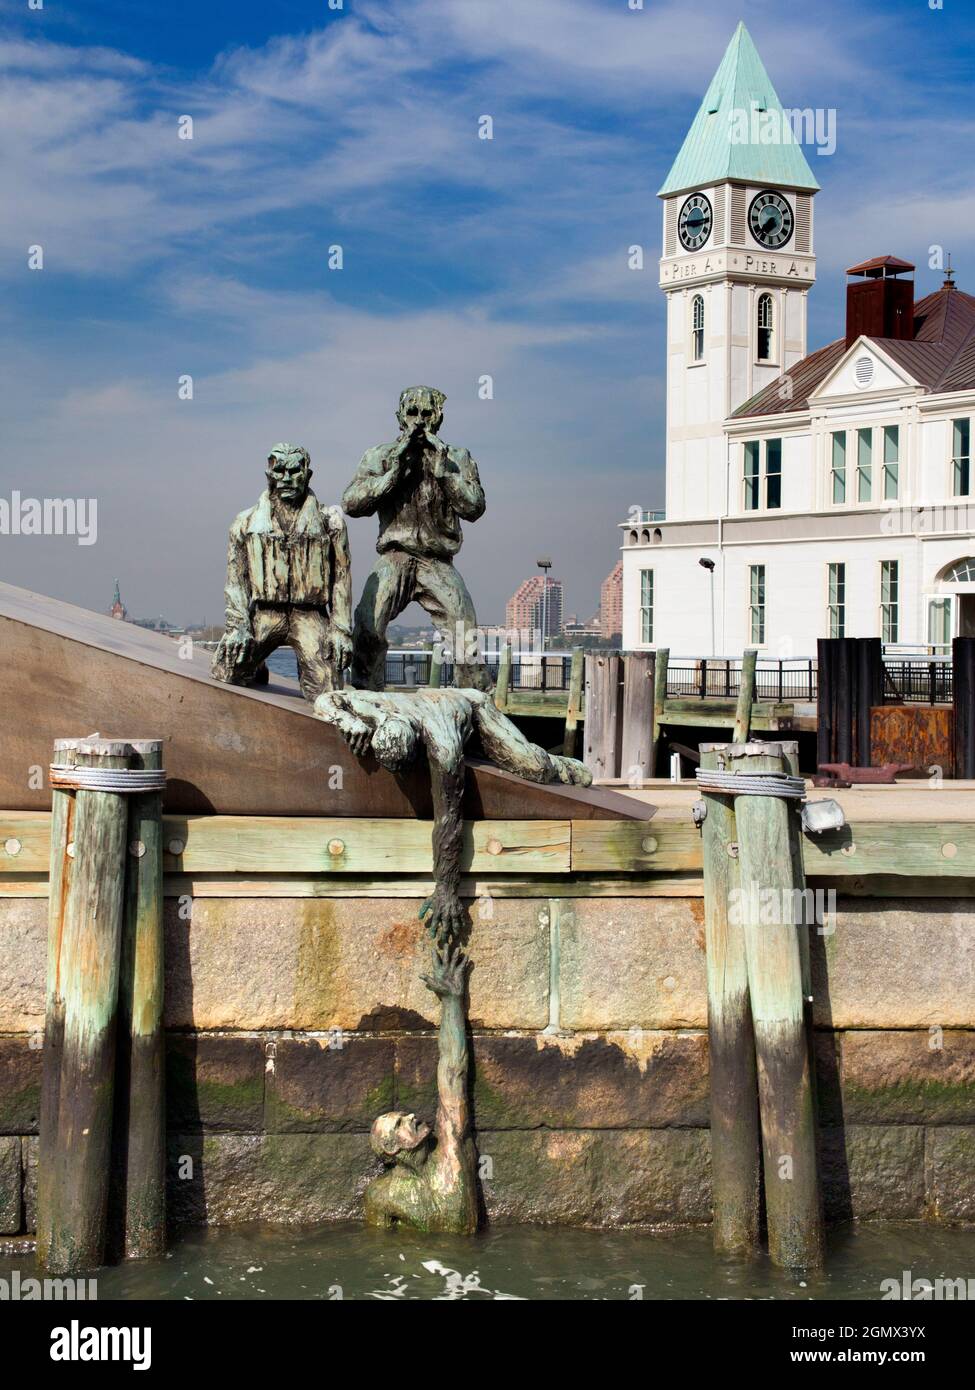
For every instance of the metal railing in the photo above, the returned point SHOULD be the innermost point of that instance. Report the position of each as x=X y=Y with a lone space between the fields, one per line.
x=914 y=680
x=720 y=678
x=918 y=682
x=527 y=673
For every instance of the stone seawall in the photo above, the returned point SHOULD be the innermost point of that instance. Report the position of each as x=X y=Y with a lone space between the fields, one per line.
x=293 y=1022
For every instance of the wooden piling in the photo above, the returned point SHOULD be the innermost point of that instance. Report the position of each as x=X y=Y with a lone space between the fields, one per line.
x=603 y=701
x=138 y=1224
x=573 y=711
x=85 y=985
x=746 y=697
x=62 y=835
x=736 y=1173
x=502 y=689
x=661 y=663
x=771 y=877
x=637 y=731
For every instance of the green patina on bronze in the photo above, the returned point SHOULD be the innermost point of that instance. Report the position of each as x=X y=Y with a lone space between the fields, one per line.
x=432 y=1189
x=422 y=489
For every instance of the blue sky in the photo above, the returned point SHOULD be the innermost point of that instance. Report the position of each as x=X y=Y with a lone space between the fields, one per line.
x=462 y=257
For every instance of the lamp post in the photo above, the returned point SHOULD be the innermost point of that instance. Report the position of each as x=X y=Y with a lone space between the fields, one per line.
x=544 y=563
x=707 y=564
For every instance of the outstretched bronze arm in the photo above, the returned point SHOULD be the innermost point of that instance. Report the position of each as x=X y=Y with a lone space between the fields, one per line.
x=447 y=979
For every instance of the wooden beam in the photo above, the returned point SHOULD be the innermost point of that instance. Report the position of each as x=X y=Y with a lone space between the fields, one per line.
x=912 y=857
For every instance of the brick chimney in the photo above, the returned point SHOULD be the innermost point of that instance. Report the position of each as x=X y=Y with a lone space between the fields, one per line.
x=878 y=305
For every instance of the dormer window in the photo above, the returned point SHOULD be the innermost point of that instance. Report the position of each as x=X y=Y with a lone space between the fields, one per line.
x=765 y=325
x=697 y=328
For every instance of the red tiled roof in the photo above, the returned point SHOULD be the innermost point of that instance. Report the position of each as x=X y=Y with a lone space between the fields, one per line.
x=940 y=357
x=880 y=263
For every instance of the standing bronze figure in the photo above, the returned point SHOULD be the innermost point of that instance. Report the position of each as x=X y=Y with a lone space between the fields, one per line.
x=289 y=582
x=422 y=489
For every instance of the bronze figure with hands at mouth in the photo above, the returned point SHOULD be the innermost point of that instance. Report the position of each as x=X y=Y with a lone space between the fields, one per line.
x=422 y=489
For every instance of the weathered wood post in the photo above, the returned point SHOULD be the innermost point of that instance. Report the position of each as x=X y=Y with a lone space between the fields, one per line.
x=603 y=692
x=573 y=712
x=503 y=687
x=84 y=975
x=661 y=663
x=62 y=863
x=637 y=732
x=139 y=1218
x=746 y=697
x=772 y=885
x=736 y=1172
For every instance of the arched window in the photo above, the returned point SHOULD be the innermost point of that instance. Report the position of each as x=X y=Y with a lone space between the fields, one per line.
x=764 y=328
x=961 y=572
x=697 y=327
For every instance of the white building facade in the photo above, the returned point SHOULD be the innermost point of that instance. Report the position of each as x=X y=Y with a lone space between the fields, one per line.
x=807 y=495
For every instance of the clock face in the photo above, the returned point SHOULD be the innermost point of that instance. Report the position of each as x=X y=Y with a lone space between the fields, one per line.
x=770 y=219
x=694 y=222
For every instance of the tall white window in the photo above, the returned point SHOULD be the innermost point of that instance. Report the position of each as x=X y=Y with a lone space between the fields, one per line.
x=765 y=326
x=756 y=604
x=836 y=581
x=762 y=474
x=838 y=466
x=892 y=453
x=889 y=587
x=864 y=465
x=646 y=606
x=961 y=459
x=697 y=328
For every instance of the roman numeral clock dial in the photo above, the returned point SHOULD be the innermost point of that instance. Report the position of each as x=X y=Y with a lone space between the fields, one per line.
x=770 y=220
x=694 y=222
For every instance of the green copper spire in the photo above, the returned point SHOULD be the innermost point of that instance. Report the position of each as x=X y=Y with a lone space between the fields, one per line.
x=727 y=139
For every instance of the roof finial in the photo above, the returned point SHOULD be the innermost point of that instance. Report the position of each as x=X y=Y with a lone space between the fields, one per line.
x=949 y=282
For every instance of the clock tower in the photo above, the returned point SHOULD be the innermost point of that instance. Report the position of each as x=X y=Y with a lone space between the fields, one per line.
x=736 y=267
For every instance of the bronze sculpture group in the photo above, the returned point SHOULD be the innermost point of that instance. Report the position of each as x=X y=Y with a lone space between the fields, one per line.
x=289 y=583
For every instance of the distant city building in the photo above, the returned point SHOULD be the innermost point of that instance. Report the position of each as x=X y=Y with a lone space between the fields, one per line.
x=611 y=603
x=534 y=601
x=118 y=609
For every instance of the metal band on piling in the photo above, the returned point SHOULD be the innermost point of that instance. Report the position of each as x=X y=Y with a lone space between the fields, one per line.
x=130 y=781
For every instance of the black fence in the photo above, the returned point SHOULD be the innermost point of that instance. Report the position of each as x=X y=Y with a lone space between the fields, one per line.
x=907 y=680
x=719 y=678
x=918 y=682
x=413 y=668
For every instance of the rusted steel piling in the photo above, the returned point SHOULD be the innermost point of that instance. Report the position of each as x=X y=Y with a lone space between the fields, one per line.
x=102 y=895
x=736 y=1173
x=139 y=1216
